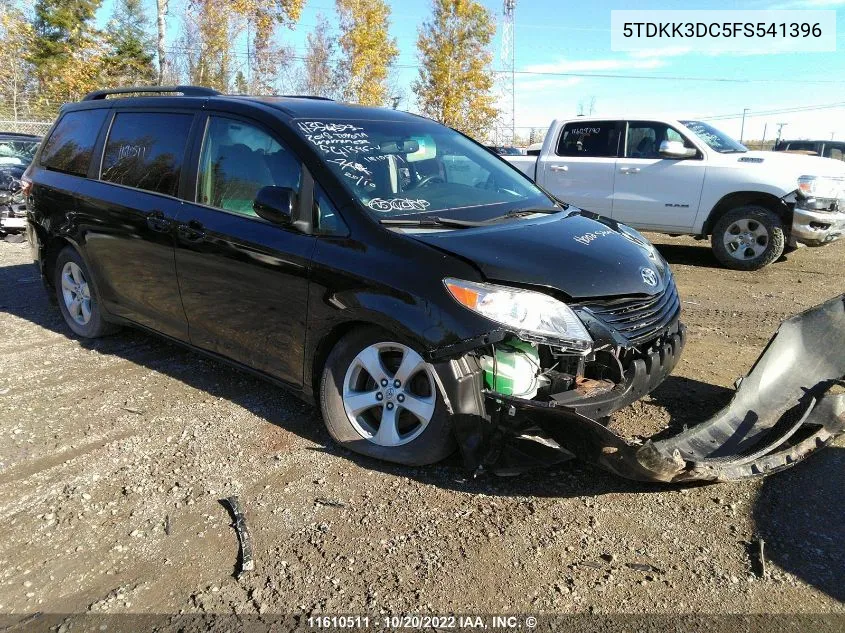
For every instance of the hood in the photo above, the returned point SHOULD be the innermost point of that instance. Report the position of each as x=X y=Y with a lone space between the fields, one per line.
x=798 y=164
x=580 y=254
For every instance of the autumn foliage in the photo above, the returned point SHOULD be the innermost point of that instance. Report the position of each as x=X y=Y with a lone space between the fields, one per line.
x=455 y=84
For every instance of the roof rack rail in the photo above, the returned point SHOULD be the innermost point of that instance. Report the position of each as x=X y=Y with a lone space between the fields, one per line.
x=187 y=91
x=315 y=97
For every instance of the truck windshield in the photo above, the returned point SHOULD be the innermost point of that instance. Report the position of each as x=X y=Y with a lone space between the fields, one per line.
x=401 y=168
x=715 y=139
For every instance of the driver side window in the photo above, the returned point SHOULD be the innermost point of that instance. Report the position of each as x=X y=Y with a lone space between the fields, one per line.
x=237 y=160
x=463 y=171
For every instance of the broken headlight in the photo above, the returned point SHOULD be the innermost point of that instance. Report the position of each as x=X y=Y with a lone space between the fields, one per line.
x=819 y=192
x=533 y=316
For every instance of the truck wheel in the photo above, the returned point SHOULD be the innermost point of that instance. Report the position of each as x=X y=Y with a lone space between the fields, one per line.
x=381 y=399
x=77 y=296
x=748 y=238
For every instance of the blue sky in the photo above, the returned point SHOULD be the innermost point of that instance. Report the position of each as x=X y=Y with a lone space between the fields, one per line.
x=553 y=36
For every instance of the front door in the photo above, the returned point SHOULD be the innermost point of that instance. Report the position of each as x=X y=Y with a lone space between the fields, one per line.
x=244 y=280
x=580 y=169
x=652 y=192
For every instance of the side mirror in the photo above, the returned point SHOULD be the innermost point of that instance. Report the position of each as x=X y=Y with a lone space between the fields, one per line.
x=676 y=149
x=275 y=204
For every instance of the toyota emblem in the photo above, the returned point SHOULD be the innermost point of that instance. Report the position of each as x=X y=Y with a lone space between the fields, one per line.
x=649 y=277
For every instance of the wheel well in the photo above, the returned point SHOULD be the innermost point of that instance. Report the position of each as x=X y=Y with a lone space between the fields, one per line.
x=324 y=348
x=50 y=251
x=741 y=199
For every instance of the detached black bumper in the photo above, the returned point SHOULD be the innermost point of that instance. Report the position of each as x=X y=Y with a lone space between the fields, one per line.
x=782 y=411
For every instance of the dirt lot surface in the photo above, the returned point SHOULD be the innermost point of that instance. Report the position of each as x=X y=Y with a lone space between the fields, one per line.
x=116 y=452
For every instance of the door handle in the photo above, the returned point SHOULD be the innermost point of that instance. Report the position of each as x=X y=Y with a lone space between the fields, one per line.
x=559 y=167
x=629 y=170
x=191 y=232
x=157 y=222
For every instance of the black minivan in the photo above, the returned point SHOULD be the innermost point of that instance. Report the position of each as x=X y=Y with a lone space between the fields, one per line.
x=376 y=262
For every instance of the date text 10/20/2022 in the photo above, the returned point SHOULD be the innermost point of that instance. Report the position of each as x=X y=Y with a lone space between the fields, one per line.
x=501 y=622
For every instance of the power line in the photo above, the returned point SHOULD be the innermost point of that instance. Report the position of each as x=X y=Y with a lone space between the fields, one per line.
x=671 y=77
x=792 y=110
x=540 y=73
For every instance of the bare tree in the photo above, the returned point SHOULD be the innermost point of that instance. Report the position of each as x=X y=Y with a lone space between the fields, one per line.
x=318 y=76
x=161 y=20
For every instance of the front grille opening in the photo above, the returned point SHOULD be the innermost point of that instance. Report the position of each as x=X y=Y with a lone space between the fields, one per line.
x=639 y=319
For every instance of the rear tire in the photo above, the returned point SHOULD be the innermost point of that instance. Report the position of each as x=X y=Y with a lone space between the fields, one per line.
x=367 y=411
x=748 y=238
x=77 y=295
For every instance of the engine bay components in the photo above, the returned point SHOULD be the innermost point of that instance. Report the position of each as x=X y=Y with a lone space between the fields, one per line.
x=513 y=369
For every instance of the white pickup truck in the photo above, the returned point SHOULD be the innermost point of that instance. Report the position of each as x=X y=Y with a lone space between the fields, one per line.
x=686 y=177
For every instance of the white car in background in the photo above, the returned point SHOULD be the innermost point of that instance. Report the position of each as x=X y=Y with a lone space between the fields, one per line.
x=686 y=177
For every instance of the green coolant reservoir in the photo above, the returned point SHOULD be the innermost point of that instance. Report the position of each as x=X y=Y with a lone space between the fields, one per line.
x=515 y=370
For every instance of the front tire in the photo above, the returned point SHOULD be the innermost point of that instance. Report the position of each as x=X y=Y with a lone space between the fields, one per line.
x=380 y=398
x=748 y=238
x=77 y=296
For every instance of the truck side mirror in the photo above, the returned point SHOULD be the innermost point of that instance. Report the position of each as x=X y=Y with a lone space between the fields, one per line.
x=676 y=149
x=275 y=204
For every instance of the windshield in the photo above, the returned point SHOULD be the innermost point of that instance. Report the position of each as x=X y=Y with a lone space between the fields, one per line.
x=419 y=168
x=715 y=139
x=17 y=152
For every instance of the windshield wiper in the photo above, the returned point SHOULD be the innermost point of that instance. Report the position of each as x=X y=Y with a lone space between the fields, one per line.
x=520 y=213
x=435 y=222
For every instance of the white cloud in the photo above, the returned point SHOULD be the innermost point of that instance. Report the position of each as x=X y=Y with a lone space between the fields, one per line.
x=808 y=4
x=594 y=65
x=669 y=51
x=536 y=84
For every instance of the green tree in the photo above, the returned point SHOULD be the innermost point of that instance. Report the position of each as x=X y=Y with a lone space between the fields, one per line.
x=67 y=49
x=455 y=84
x=241 y=84
x=130 y=54
x=368 y=50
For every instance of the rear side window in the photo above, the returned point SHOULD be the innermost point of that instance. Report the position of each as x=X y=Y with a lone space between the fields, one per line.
x=71 y=144
x=599 y=139
x=833 y=151
x=807 y=146
x=146 y=150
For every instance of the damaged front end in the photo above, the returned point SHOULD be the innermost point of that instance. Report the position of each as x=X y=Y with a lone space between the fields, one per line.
x=510 y=414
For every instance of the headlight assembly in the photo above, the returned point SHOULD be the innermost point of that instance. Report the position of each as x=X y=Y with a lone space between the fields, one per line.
x=532 y=316
x=820 y=187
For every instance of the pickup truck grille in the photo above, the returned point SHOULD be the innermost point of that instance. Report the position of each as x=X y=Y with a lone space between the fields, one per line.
x=642 y=318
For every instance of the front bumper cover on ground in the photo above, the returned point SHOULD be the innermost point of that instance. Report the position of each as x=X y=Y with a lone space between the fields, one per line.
x=785 y=408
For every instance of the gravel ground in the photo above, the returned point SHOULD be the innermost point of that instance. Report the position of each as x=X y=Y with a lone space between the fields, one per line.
x=116 y=453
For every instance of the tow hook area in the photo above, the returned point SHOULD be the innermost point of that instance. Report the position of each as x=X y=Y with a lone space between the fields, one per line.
x=790 y=403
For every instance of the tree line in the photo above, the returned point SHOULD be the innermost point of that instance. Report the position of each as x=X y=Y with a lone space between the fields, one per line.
x=53 y=51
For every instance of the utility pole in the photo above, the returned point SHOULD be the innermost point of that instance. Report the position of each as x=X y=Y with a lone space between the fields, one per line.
x=763 y=142
x=780 y=127
x=508 y=55
x=742 y=129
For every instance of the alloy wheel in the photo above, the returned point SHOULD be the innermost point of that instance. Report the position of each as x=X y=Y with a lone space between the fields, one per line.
x=76 y=293
x=746 y=239
x=389 y=394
